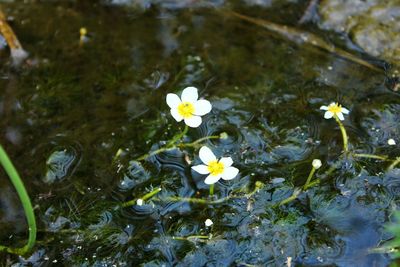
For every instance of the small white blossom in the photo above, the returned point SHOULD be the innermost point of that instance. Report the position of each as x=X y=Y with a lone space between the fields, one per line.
x=188 y=107
x=216 y=169
x=391 y=142
x=316 y=163
x=139 y=202
x=334 y=109
x=208 y=223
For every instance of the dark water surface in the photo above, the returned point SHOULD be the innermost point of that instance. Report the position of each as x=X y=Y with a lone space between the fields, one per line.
x=66 y=113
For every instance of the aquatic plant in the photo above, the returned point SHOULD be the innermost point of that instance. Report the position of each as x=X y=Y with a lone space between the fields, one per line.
x=316 y=164
x=336 y=111
x=393 y=245
x=26 y=204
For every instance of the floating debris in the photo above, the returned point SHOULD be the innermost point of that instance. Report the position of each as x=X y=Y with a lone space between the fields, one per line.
x=301 y=37
x=18 y=54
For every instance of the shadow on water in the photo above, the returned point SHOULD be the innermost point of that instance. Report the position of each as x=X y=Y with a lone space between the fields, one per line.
x=71 y=107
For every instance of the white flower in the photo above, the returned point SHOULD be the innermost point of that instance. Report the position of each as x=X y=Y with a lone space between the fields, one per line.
x=334 y=109
x=208 y=223
x=216 y=169
x=316 y=163
x=188 y=108
x=391 y=142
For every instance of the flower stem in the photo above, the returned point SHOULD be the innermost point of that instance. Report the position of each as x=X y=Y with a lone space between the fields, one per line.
x=211 y=190
x=155 y=152
x=171 y=145
x=191 y=237
x=370 y=156
x=344 y=134
x=144 y=198
x=394 y=164
x=151 y=194
x=307 y=184
x=198 y=200
x=26 y=204
x=294 y=195
x=199 y=141
x=178 y=136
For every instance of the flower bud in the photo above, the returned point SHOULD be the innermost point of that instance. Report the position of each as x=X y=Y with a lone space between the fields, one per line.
x=139 y=202
x=391 y=142
x=316 y=163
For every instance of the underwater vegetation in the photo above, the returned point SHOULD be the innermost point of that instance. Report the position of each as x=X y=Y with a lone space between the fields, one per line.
x=194 y=133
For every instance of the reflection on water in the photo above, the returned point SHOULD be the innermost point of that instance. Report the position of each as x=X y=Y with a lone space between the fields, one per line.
x=66 y=116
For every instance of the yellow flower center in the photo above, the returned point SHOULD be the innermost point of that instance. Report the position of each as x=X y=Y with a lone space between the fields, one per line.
x=186 y=109
x=215 y=167
x=335 y=108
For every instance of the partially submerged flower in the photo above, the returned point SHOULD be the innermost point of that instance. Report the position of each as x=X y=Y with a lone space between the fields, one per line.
x=216 y=169
x=334 y=109
x=188 y=107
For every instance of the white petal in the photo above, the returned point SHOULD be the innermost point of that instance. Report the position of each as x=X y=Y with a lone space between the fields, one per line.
x=328 y=115
x=173 y=100
x=324 y=108
x=202 y=107
x=176 y=115
x=227 y=161
x=230 y=173
x=208 y=223
x=206 y=155
x=193 y=121
x=211 y=179
x=340 y=116
x=190 y=94
x=345 y=110
x=202 y=169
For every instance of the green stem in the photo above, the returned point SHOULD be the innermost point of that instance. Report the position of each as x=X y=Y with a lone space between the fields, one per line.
x=315 y=182
x=306 y=185
x=144 y=198
x=294 y=195
x=197 y=200
x=155 y=152
x=332 y=168
x=195 y=143
x=191 y=237
x=211 y=190
x=26 y=204
x=151 y=194
x=201 y=201
x=178 y=136
x=344 y=135
x=370 y=156
x=171 y=144
x=394 y=164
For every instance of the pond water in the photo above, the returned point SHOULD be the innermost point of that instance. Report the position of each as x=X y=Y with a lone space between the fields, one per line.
x=75 y=118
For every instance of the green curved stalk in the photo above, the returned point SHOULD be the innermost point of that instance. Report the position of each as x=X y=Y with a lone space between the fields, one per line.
x=191 y=238
x=310 y=176
x=171 y=145
x=144 y=198
x=26 y=204
x=344 y=135
x=394 y=164
x=370 y=156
